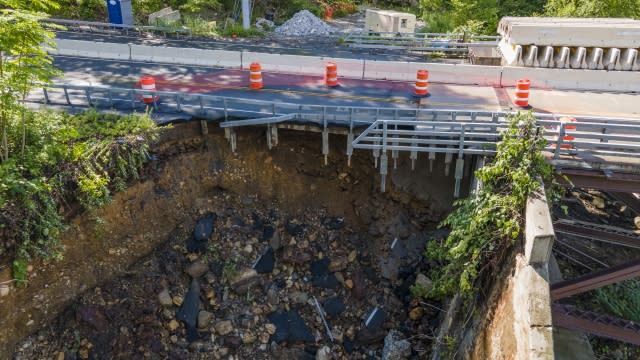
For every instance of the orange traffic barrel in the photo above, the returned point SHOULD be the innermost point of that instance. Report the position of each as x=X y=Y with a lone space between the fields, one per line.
x=522 y=93
x=147 y=82
x=568 y=126
x=422 y=83
x=255 y=76
x=332 y=74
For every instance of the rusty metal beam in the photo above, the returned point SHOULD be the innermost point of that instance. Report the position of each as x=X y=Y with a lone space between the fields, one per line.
x=595 y=179
x=610 y=327
x=595 y=280
x=597 y=232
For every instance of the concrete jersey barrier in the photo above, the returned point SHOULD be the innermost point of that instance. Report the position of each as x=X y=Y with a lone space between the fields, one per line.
x=92 y=49
x=186 y=56
x=563 y=79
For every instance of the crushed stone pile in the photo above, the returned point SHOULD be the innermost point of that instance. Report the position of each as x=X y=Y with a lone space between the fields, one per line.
x=304 y=23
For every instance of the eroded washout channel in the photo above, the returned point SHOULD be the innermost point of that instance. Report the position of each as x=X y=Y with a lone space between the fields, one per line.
x=169 y=272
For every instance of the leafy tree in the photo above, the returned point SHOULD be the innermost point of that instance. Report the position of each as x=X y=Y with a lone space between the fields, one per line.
x=24 y=63
x=593 y=8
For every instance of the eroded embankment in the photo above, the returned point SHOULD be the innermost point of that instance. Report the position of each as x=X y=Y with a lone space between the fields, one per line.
x=140 y=250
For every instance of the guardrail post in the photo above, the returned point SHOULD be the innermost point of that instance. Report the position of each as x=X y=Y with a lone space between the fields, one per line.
x=325 y=136
x=110 y=97
x=132 y=99
x=350 y=138
x=226 y=111
x=178 y=103
x=66 y=94
x=46 y=96
x=561 y=133
x=459 y=163
x=383 y=158
x=202 y=106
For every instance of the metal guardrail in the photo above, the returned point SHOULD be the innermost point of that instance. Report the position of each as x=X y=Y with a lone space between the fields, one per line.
x=94 y=26
x=413 y=130
x=431 y=42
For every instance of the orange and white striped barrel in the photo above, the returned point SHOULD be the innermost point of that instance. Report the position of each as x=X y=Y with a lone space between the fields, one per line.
x=567 y=139
x=522 y=93
x=255 y=76
x=148 y=83
x=332 y=74
x=422 y=83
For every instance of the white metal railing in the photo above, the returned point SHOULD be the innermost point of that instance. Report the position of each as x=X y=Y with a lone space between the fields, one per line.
x=419 y=41
x=394 y=129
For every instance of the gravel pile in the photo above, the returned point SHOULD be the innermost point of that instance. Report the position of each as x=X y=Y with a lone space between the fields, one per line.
x=304 y=23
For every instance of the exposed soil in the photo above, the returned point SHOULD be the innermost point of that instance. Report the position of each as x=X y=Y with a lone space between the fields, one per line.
x=329 y=226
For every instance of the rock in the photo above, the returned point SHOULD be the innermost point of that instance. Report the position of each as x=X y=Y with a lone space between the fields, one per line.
x=173 y=325
x=389 y=268
x=245 y=279
x=333 y=223
x=375 y=318
x=290 y=327
x=270 y=328
x=369 y=337
x=4 y=290
x=247 y=249
x=636 y=221
x=299 y=297
x=423 y=281
x=197 y=269
x=395 y=347
x=265 y=262
x=359 y=285
x=92 y=315
x=233 y=342
x=165 y=298
x=416 y=314
x=334 y=306
x=249 y=338
x=223 y=327
x=304 y=23
x=348 y=284
x=348 y=346
x=272 y=296
x=598 y=202
x=296 y=257
x=274 y=241
x=338 y=264
x=204 y=318
x=202 y=233
x=177 y=300
x=352 y=256
x=167 y=314
x=83 y=353
x=324 y=353
x=189 y=310
x=295 y=229
x=60 y=355
x=265 y=25
x=321 y=275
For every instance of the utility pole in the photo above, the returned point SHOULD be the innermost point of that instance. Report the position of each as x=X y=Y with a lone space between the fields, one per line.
x=246 y=15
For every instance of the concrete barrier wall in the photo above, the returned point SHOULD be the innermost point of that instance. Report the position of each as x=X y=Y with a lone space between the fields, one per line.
x=308 y=65
x=438 y=73
x=92 y=49
x=186 y=56
x=569 y=79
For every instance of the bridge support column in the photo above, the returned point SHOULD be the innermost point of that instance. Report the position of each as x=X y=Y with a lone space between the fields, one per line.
x=432 y=157
x=325 y=146
x=269 y=144
x=274 y=135
x=230 y=135
x=448 y=157
x=394 y=155
x=458 y=175
x=349 y=146
x=376 y=154
x=475 y=183
x=203 y=127
x=413 y=156
x=383 y=171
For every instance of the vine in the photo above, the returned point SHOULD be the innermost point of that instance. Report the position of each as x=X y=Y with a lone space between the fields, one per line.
x=486 y=225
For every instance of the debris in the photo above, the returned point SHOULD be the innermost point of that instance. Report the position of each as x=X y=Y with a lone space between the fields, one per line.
x=395 y=347
x=265 y=262
x=304 y=23
x=188 y=312
x=324 y=321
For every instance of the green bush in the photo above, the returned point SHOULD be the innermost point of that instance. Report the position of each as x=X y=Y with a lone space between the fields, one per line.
x=485 y=225
x=67 y=159
x=239 y=31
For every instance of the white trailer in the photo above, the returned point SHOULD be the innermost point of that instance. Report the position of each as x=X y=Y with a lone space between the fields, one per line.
x=382 y=21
